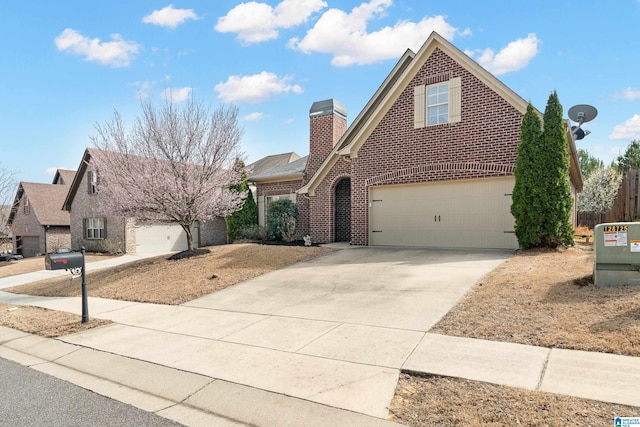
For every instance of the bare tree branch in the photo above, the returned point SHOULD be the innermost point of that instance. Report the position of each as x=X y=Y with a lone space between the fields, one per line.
x=8 y=186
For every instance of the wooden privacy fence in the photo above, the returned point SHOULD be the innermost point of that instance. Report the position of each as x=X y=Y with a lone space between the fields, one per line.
x=626 y=207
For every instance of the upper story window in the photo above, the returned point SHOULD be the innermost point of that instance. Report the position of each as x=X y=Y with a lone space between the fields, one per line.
x=92 y=178
x=437 y=103
x=27 y=206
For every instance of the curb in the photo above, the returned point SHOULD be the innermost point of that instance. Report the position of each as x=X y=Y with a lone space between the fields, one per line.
x=181 y=396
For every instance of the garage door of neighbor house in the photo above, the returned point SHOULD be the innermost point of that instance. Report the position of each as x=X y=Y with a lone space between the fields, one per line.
x=162 y=238
x=450 y=214
x=29 y=246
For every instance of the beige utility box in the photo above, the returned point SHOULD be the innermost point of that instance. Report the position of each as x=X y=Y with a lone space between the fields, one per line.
x=617 y=251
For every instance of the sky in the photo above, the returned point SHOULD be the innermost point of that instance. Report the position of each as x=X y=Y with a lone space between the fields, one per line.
x=68 y=65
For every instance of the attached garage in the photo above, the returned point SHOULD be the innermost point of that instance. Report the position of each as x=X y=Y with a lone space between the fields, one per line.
x=28 y=246
x=162 y=238
x=449 y=214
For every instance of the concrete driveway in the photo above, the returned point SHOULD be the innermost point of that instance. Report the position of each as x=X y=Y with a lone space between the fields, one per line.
x=335 y=330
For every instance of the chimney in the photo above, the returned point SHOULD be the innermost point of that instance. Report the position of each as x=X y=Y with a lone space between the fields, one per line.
x=327 y=122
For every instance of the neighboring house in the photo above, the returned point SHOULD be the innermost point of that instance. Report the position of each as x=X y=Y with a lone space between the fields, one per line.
x=428 y=162
x=37 y=222
x=282 y=181
x=99 y=233
x=264 y=166
x=268 y=163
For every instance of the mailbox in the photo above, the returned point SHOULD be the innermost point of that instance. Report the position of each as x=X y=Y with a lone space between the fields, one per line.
x=63 y=261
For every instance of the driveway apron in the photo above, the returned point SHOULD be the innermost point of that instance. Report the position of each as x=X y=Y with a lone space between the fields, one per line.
x=333 y=330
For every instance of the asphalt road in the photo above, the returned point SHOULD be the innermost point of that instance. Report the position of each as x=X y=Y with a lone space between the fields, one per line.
x=32 y=398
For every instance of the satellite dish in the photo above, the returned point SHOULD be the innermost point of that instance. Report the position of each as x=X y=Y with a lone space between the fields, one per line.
x=581 y=113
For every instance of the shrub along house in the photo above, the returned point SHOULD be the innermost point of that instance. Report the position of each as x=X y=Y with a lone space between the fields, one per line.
x=37 y=222
x=96 y=232
x=428 y=162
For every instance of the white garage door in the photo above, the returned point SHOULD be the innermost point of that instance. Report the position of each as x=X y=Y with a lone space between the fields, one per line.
x=162 y=238
x=451 y=214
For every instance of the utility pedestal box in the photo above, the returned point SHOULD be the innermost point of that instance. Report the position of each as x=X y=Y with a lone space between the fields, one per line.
x=617 y=253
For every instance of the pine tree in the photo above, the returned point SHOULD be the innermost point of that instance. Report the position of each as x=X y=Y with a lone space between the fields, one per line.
x=557 y=229
x=524 y=199
x=247 y=216
x=542 y=201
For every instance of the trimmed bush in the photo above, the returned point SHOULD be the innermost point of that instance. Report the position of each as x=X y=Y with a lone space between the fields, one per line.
x=281 y=220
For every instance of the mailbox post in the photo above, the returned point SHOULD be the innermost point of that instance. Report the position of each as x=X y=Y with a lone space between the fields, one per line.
x=71 y=261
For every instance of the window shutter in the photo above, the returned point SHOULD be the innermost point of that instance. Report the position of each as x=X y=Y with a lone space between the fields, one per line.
x=419 y=106
x=455 y=100
x=104 y=224
x=84 y=227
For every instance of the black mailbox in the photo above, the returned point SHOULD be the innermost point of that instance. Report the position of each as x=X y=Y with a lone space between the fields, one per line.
x=63 y=261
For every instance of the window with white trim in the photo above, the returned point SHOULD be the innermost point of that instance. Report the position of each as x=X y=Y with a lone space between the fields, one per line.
x=95 y=228
x=437 y=103
x=27 y=206
x=265 y=201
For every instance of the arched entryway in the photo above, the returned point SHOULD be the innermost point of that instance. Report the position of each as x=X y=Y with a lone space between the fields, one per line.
x=342 y=211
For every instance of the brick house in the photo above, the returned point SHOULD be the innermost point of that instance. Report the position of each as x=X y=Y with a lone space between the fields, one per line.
x=98 y=233
x=428 y=162
x=37 y=222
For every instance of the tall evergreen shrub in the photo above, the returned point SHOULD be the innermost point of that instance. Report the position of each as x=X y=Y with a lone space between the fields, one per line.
x=542 y=201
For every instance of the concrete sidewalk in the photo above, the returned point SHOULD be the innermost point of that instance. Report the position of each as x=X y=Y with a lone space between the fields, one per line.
x=318 y=343
x=8 y=282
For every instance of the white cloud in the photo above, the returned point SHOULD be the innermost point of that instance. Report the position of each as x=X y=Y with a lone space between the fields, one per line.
x=116 y=53
x=169 y=17
x=255 y=88
x=255 y=22
x=254 y=117
x=177 y=94
x=630 y=130
x=512 y=57
x=143 y=88
x=631 y=94
x=52 y=171
x=344 y=35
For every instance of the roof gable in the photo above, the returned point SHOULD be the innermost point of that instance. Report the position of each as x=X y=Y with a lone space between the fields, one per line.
x=45 y=201
x=77 y=178
x=64 y=177
x=391 y=89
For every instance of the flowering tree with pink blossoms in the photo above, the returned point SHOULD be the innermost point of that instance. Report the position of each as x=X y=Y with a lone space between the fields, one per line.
x=174 y=164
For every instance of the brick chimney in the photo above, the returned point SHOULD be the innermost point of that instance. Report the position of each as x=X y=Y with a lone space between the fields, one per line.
x=327 y=122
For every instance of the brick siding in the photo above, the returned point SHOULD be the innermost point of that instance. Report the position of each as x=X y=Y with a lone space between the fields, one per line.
x=342 y=211
x=483 y=144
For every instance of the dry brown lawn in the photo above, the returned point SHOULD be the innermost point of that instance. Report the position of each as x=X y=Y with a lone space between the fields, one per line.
x=547 y=298
x=164 y=281
x=538 y=297
x=29 y=265
x=441 y=401
x=44 y=322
